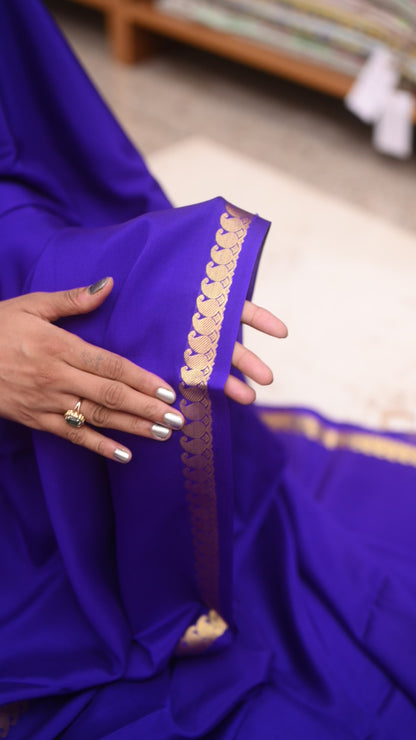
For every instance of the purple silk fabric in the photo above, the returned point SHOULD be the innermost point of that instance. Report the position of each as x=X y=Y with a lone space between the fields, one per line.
x=304 y=546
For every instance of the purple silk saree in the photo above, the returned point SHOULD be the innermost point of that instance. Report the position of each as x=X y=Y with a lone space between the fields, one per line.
x=254 y=577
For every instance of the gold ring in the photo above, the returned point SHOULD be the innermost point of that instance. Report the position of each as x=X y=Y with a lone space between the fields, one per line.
x=73 y=417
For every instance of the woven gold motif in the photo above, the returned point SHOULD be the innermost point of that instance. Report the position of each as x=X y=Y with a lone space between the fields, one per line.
x=197 y=442
x=202 y=634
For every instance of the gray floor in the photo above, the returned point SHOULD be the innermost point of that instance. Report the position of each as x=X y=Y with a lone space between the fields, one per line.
x=182 y=92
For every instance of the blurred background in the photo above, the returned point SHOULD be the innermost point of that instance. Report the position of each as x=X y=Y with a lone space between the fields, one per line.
x=245 y=98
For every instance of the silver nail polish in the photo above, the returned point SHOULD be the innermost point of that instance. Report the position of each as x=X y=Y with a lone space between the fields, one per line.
x=164 y=394
x=96 y=287
x=174 y=421
x=160 y=432
x=122 y=455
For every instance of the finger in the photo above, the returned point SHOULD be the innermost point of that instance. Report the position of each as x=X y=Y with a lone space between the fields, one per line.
x=53 y=306
x=109 y=397
x=105 y=364
x=91 y=439
x=104 y=418
x=86 y=437
x=239 y=391
x=263 y=320
x=250 y=365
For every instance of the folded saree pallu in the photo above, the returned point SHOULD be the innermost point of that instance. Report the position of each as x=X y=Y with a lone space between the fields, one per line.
x=254 y=576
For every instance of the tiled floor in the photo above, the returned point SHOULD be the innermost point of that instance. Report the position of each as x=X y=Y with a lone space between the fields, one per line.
x=182 y=92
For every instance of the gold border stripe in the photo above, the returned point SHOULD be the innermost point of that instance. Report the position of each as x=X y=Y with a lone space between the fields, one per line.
x=197 y=442
x=370 y=444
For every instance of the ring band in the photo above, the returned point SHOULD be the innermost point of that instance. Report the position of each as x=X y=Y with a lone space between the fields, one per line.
x=73 y=417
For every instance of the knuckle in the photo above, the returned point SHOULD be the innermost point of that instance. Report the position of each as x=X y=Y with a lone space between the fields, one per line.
x=75 y=436
x=136 y=426
x=113 y=395
x=100 y=416
x=42 y=424
x=45 y=375
x=100 y=447
x=114 y=367
x=28 y=419
x=149 y=410
x=71 y=298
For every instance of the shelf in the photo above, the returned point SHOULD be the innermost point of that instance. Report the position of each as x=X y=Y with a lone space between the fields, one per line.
x=135 y=25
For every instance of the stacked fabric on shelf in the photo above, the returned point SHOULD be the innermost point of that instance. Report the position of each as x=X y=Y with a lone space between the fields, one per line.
x=335 y=33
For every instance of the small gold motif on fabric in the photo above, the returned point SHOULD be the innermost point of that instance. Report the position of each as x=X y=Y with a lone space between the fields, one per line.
x=201 y=635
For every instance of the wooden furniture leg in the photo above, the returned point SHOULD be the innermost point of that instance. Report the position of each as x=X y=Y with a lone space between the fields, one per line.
x=128 y=42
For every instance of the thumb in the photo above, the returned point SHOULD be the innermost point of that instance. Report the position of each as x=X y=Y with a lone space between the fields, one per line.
x=53 y=306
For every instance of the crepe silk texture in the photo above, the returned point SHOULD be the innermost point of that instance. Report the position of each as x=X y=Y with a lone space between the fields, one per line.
x=242 y=580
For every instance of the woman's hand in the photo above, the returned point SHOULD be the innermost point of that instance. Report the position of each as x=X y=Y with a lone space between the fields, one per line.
x=246 y=361
x=45 y=370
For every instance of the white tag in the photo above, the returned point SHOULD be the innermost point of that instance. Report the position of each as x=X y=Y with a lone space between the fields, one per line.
x=393 y=132
x=377 y=78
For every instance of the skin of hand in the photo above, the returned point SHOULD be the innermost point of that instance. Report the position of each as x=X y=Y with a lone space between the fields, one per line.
x=45 y=370
x=246 y=361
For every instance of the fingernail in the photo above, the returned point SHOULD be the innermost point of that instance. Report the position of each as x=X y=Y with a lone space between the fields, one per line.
x=160 y=432
x=122 y=455
x=173 y=420
x=96 y=287
x=164 y=394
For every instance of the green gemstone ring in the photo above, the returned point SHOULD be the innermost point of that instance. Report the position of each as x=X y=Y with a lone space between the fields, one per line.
x=73 y=417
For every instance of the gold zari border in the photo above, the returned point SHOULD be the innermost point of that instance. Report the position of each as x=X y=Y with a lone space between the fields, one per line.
x=196 y=441
x=370 y=444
